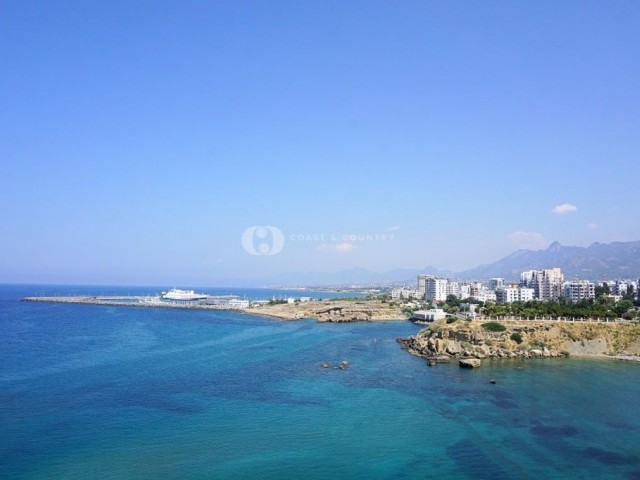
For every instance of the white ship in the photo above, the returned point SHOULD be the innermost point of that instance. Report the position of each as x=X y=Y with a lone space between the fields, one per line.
x=177 y=294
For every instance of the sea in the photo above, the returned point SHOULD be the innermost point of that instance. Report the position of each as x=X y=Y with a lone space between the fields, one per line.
x=105 y=392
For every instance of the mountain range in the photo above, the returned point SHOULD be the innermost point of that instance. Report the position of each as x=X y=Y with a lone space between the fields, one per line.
x=598 y=261
x=595 y=262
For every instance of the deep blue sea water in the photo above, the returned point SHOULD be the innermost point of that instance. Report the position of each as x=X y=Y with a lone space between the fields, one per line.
x=116 y=392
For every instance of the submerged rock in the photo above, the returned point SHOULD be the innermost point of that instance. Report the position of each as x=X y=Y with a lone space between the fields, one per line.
x=469 y=362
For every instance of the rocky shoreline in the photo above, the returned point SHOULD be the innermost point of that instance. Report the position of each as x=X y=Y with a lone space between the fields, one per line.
x=442 y=342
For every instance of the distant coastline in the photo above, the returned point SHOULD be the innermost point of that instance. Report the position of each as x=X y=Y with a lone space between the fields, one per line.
x=439 y=341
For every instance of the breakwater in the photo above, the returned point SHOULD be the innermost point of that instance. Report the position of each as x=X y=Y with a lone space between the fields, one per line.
x=221 y=303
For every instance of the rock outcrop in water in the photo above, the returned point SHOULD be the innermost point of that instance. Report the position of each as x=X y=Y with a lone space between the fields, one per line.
x=525 y=339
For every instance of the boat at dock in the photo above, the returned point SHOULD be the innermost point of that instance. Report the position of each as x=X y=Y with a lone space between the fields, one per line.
x=177 y=294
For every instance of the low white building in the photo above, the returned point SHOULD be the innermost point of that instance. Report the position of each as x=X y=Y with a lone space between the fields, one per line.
x=404 y=293
x=527 y=294
x=484 y=295
x=428 y=315
x=507 y=294
x=236 y=303
x=514 y=293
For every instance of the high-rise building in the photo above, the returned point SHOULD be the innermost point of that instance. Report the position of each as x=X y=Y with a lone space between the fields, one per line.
x=435 y=289
x=422 y=288
x=453 y=288
x=526 y=278
x=496 y=283
x=547 y=284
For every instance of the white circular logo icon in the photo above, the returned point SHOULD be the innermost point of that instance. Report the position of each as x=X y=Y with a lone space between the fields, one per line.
x=266 y=240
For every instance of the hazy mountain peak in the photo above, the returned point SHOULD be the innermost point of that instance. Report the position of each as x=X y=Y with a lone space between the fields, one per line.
x=554 y=247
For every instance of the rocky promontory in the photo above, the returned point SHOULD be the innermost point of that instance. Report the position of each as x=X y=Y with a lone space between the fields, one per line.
x=441 y=341
x=333 y=310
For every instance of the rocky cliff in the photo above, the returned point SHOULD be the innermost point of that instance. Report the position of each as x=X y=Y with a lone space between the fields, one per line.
x=471 y=339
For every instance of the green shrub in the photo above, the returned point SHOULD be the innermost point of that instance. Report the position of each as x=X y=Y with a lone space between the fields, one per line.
x=452 y=319
x=516 y=337
x=494 y=327
x=435 y=327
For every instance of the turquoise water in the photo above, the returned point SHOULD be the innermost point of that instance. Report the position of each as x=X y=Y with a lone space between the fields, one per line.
x=115 y=392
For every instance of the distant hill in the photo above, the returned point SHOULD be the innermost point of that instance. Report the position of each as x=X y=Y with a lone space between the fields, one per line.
x=595 y=262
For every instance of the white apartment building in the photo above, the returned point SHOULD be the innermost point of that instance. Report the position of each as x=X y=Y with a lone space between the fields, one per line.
x=453 y=288
x=484 y=295
x=526 y=294
x=475 y=288
x=578 y=290
x=620 y=287
x=404 y=293
x=546 y=283
x=507 y=295
x=459 y=289
x=435 y=289
x=550 y=284
x=526 y=278
x=514 y=293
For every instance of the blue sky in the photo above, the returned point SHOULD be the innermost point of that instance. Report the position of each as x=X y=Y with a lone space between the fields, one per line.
x=139 y=140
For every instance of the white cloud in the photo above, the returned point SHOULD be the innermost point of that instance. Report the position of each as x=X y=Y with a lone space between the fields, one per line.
x=530 y=240
x=592 y=226
x=564 y=208
x=344 y=247
x=394 y=228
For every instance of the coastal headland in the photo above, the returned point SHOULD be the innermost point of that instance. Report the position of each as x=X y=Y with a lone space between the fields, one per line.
x=442 y=341
x=333 y=310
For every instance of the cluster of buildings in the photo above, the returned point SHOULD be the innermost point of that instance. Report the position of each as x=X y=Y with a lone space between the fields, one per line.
x=542 y=285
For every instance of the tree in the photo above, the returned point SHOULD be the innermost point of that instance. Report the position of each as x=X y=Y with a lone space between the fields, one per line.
x=602 y=290
x=453 y=301
x=630 y=295
x=622 y=307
